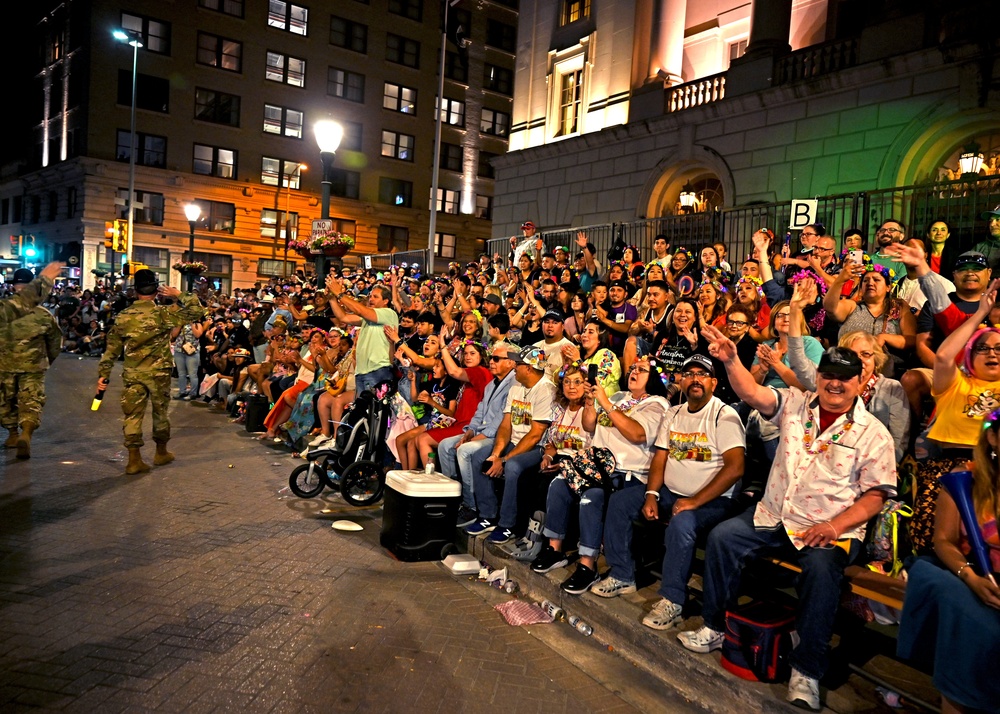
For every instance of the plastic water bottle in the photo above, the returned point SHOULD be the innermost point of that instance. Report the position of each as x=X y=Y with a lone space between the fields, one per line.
x=510 y=587
x=581 y=626
x=429 y=468
x=556 y=612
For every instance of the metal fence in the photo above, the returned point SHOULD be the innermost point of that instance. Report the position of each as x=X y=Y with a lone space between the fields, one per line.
x=382 y=261
x=960 y=203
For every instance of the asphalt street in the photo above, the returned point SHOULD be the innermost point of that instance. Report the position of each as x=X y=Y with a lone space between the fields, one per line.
x=200 y=587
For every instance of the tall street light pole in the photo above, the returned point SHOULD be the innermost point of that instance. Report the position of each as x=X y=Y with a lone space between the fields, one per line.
x=328 y=136
x=135 y=40
x=193 y=213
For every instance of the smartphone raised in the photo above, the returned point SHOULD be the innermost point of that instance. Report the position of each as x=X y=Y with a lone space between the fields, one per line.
x=592 y=373
x=856 y=256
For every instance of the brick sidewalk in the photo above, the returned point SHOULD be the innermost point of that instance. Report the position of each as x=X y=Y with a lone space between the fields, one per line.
x=196 y=588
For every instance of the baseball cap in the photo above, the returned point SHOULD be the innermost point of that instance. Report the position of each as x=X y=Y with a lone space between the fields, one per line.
x=993 y=213
x=491 y=298
x=534 y=357
x=553 y=314
x=22 y=275
x=702 y=361
x=841 y=362
x=970 y=257
x=623 y=284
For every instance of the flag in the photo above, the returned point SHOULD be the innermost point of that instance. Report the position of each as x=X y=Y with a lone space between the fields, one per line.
x=457 y=31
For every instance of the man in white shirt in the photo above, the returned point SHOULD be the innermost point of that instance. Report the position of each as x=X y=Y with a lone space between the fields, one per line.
x=833 y=471
x=527 y=415
x=554 y=329
x=697 y=462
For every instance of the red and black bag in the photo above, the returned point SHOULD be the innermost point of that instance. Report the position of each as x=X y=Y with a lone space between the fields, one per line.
x=758 y=641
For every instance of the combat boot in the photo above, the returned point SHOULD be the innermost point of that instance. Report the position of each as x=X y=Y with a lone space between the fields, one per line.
x=162 y=456
x=24 y=441
x=135 y=463
x=11 y=438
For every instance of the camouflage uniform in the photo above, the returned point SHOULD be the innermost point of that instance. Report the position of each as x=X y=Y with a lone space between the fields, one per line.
x=23 y=302
x=143 y=330
x=28 y=345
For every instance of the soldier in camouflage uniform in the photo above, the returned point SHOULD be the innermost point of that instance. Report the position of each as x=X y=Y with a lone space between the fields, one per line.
x=144 y=331
x=28 y=345
x=33 y=294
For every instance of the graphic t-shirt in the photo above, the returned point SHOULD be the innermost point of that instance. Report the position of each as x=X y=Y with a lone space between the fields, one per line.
x=695 y=442
x=528 y=405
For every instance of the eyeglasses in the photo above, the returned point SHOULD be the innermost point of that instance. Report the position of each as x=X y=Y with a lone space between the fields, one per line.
x=573 y=382
x=866 y=355
x=640 y=370
x=498 y=358
x=986 y=349
x=809 y=234
x=782 y=314
x=738 y=323
x=888 y=230
x=688 y=374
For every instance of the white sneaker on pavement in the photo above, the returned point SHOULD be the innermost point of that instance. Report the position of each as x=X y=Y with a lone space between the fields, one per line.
x=702 y=640
x=803 y=691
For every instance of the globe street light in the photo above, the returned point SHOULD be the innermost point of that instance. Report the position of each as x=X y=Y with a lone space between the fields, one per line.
x=328 y=136
x=135 y=40
x=193 y=213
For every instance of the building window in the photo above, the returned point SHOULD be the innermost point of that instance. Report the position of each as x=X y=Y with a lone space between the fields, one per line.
x=402 y=50
x=216 y=216
x=501 y=35
x=348 y=34
x=393 y=238
x=267 y=268
x=484 y=207
x=152 y=149
x=148 y=207
x=220 y=52
x=573 y=10
x=272 y=169
x=412 y=9
x=397 y=146
x=395 y=192
x=214 y=161
x=216 y=107
x=444 y=245
x=283 y=121
x=448 y=201
x=345 y=184
x=353 y=131
x=151 y=93
x=494 y=122
x=399 y=98
x=346 y=85
x=455 y=68
x=228 y=7
x=498 y=79
x=451 y=157
x=485 y=167
x=737 y=49
x=272 y=221
x=155 y=34
x=287 y=16
x=285 y=69
x=453 y=112
x=570 y=96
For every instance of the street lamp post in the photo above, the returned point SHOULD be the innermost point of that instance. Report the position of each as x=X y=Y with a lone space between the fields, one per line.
x=193 y=213
x=328 y=136
x=134 y=39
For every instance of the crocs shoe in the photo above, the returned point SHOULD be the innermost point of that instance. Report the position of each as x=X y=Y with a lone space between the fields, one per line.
x=549 y=559
x=580 y=581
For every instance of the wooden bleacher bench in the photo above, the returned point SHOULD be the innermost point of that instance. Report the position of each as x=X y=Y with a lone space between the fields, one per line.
x=864 y=582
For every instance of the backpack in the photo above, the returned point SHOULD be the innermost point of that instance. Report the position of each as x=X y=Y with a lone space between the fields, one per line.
x=758 y=641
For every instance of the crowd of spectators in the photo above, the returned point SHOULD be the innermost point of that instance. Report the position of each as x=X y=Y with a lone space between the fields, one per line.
x=758 y=405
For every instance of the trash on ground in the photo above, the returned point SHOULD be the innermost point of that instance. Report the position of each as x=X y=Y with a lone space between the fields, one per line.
x=522 y=612
x=345 y=525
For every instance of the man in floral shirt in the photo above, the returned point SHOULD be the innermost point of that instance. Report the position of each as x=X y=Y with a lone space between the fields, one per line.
x=833 y=470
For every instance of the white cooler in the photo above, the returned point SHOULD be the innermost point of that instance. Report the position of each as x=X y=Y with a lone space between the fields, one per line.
x=419 y=515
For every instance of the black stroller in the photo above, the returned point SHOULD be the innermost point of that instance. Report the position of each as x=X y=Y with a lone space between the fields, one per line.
x=359 y=458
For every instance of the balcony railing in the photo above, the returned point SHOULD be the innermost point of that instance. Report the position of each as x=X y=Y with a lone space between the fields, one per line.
x=694 y=94
x=816 y=61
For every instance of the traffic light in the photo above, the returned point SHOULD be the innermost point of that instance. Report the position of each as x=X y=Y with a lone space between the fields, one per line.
x=122 y=235
x=132 y=268
x=29 y=250
x=110 y=234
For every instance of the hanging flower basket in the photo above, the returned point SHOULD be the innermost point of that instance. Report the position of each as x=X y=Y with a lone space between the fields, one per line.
x=194 y=268
x=332 y=243
x=336 y=251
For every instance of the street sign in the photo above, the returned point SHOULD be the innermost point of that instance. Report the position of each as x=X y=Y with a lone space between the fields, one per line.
x=804 y=212
x=321 y=226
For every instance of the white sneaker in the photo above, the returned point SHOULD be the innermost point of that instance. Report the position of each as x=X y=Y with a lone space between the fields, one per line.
x=319 y=440
x=664 y=615
x=702 y=640
x=612 y=587
x=803 y=691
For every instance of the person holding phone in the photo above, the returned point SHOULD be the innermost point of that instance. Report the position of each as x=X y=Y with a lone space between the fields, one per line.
x=593 y=350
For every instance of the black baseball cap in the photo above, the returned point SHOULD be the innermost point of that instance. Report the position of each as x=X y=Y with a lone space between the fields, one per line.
x=697 y=360
x=841 y=362
x=22 y=275
x=971 y=257
x=552 y=314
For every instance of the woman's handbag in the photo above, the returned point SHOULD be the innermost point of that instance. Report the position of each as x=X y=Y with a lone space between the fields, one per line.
x=188 y=348
x=591 y=468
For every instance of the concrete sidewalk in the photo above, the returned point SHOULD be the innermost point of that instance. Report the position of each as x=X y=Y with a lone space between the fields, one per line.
x=198 y=588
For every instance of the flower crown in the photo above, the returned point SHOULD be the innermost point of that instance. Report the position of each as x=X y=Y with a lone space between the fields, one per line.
x=756 y=282
x=665 y=377
x=568 y=366
x=719 y=287
x=685 y=252
x=888 y=273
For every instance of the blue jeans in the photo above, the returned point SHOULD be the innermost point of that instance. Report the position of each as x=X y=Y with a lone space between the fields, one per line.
x=486 y=498
x=734 y=542
x=370 y=379
x=591 y=504
x=187 y=372
x=460 y=462
x=680 y=538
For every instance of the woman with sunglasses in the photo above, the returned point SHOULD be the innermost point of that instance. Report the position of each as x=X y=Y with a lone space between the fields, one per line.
x=624 y=424
x=593 y=349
